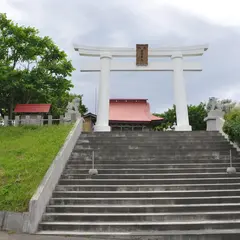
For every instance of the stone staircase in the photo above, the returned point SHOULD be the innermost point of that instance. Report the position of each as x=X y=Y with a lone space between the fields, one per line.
x=151 y=185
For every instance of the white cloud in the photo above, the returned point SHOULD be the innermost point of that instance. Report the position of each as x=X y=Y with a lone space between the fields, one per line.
x=119 y=39
x=229 y=92
x=157 y=22
x=6 y=7
x=223 y=12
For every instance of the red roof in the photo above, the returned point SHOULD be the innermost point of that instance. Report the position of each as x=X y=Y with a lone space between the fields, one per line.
x=131 y=110
x=32 y=108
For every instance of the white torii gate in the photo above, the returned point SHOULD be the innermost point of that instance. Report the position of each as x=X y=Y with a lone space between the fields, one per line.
x=107 y=64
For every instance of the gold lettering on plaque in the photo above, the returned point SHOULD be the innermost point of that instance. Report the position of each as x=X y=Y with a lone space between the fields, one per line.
x=142 y=54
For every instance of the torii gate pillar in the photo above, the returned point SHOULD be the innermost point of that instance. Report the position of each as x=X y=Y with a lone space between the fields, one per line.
x=102 y=124
x=180 y=96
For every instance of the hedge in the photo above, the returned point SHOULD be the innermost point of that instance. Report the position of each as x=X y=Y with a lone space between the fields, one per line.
x=232 y=125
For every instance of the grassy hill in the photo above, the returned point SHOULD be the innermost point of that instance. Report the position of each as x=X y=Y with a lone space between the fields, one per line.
x=25 y=155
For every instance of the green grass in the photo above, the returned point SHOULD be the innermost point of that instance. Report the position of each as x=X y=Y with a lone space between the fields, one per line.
x=25 y=156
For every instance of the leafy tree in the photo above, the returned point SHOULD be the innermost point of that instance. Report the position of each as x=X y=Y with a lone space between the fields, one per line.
x=169 y=118
x=232 y=125
x=32 y=69
x=196 y=117
x=197 y=113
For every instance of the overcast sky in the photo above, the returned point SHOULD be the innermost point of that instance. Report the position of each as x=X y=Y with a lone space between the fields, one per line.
x=125 y=23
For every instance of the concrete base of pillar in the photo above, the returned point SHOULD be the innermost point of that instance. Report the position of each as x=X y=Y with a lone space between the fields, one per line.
x=102 y=128
x=183 y=128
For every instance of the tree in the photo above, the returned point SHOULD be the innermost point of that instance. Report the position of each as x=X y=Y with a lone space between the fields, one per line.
x=169 y=118
x=32 y=68
x=196 y=117
x=197 y=113
x=232 y=125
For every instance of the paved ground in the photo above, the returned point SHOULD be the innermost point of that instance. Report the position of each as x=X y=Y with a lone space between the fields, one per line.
x=5 y=236
x=11 y=236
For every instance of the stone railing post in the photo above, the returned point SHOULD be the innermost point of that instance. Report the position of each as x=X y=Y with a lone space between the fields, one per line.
x=27 y=120
x=49 y=120
x=5 y=121
x=212 y=120
x=17 y=121
x=61 y=119
x=39 y=120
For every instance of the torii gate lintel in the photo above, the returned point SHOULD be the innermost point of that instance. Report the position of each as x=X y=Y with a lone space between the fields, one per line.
x=117 y=66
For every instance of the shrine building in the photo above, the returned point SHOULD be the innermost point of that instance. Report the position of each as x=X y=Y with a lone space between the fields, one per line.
x=126 y=115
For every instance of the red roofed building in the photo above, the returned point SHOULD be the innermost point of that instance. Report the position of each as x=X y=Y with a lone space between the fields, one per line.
x=32 y=108
x=127 y=115
x=131 y=114
x=35 y=112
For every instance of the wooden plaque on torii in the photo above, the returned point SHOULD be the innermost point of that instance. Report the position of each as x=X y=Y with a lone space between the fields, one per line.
x=142 y=54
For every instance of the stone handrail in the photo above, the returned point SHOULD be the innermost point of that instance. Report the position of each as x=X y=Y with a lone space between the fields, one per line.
x=43 y=194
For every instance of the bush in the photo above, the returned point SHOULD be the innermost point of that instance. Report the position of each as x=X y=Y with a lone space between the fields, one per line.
x=232 y=125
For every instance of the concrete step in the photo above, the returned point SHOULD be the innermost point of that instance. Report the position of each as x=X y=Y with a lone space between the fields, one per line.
x=158 y=178
x=129 y=147
x=151 y=134
x=160 y=183
x=149 y=152
x=154 y=139
x=151 y=217
x=152 y=186
x=161 y=162
x=160 y=154
x=142 y=208
x=144 y=176
x=165 y=150
x=154 y=200
x=158 y=157
x=77 y=165
x=206 y=234
x=149 y=176
x=140 y=226
x=150 y=171
x=173 y=181
x=147 y=139
x=144 y=194
x=151 y=142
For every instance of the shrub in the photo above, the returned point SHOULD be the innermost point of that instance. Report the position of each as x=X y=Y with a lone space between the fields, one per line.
x=232 y=125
